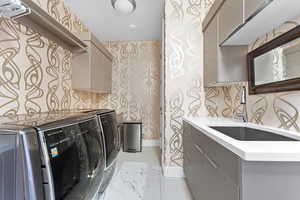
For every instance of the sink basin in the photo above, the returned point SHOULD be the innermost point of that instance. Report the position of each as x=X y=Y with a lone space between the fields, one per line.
x=249 y=134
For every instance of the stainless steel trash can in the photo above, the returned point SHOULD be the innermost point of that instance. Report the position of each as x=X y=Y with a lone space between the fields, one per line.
x=132 y=137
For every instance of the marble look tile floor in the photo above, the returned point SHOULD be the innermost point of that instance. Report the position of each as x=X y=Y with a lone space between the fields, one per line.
x=129 y=182
x=152 y=186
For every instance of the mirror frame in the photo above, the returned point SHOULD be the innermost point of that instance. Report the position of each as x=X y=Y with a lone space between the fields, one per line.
x=279 y=86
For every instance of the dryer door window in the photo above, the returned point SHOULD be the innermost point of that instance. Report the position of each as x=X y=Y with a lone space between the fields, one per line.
x=77 y=160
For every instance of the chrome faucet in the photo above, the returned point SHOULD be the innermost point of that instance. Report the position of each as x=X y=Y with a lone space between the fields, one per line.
x=243 y=101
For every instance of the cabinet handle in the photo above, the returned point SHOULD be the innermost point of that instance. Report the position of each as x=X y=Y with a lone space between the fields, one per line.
x=215 y=165
x=199 y=148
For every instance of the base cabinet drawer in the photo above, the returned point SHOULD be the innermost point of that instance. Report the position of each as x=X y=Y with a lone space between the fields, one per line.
x=204 y=175
x=211 y=183
x=223 y=159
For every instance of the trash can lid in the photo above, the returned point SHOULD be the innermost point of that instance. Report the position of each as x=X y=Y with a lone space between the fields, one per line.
x=132 y=122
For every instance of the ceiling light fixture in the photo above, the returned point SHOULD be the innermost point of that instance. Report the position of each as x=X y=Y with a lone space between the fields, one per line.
x=124 y=6
x=132 y=26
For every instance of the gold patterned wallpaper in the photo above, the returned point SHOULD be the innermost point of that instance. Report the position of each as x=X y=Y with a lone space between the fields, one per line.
x=136 y=83
x=184 y=93
x=36 y=73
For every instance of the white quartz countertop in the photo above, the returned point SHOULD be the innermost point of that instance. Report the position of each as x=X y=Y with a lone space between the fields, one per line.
x=277 y=151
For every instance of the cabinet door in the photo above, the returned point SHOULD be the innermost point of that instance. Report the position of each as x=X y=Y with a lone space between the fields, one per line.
x=212 y=182
x=81 y=71
x=254 y=6
x=230 y=18
x=189 y=157
x=190 y=160
x=217 y=185
x=101 y=77
x=187 y=143
x=225 y=160
x=187 y=139
x=200 y=175
x=211 y=53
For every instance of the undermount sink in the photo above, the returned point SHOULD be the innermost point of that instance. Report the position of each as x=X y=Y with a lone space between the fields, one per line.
x=250 y=134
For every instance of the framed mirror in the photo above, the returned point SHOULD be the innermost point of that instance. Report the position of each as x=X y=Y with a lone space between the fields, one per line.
x=275 y=66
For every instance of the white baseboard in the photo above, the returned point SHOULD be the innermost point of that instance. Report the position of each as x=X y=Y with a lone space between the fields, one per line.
x=173 y=172
x=151 y=143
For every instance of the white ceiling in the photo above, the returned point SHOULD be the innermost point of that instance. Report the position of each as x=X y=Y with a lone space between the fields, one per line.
x=110 y=25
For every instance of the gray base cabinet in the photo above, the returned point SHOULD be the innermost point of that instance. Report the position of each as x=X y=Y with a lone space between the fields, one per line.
x=270 y=180
x=215 y=173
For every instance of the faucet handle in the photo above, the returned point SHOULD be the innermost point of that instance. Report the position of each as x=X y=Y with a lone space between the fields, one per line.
x=240 y=116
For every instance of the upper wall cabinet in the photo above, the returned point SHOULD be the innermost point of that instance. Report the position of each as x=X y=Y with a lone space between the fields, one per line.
x=230 y=18
x=92 y=71
x=211 y=52
x=230 y=26
x=222 y=64
x=260 y=18
x=252 y=7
